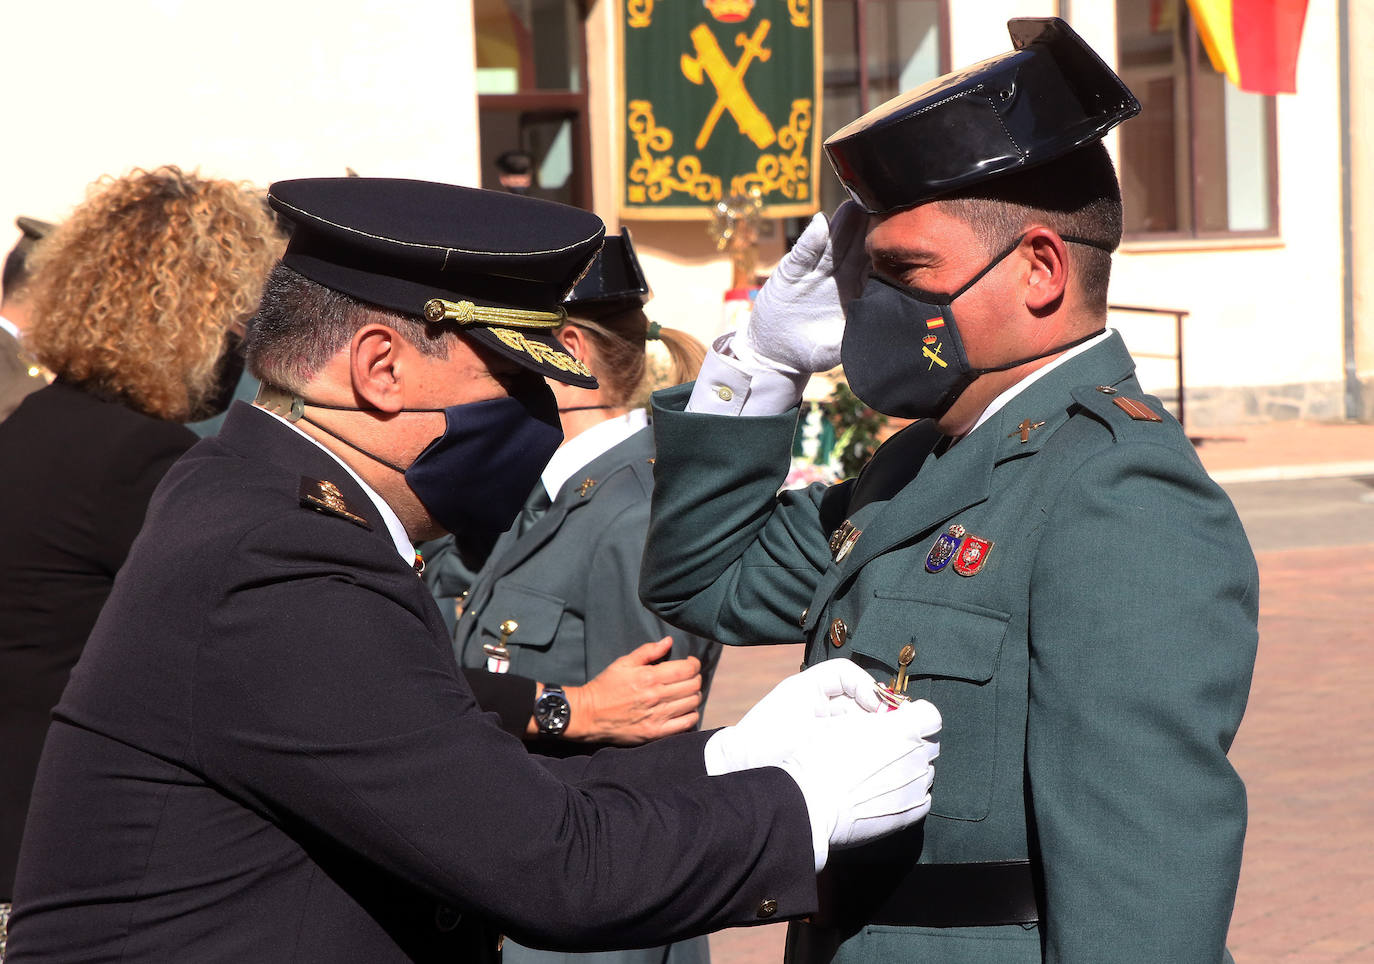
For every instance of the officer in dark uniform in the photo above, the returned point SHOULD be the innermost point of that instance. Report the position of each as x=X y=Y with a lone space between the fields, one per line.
x=275 y=757
x=1040 y=553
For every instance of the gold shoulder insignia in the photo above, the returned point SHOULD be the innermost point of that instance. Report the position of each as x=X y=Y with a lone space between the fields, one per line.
x=325 y=497
x=1137 y=409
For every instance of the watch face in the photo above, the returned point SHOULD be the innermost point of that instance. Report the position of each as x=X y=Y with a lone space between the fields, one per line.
x=552 y=713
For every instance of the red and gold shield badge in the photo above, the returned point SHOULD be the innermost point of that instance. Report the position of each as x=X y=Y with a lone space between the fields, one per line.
x=973 y=552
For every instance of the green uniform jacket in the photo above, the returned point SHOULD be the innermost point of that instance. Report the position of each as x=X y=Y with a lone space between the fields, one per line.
x=571 y=583
x=1091 y=673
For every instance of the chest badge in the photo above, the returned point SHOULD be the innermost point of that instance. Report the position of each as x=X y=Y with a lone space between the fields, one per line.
x=842 y=540
x=973 y=552
x=1025 y=428
x=943 y=551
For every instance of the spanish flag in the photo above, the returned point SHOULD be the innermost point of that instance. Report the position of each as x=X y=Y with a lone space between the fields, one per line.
x=1253 y=42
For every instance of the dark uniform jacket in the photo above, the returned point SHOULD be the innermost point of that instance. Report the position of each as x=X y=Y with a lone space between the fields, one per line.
x=78 y=473
x=1091 y=669
x=571 y=583
x=267 y=753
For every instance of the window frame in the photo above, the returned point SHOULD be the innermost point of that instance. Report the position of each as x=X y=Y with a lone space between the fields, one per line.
x=1196 y=51
x=532 y=100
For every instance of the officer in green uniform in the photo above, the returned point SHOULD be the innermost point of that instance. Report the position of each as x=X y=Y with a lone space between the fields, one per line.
x=1040 y=553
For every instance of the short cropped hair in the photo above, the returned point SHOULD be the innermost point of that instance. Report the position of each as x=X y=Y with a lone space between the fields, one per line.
x=301 y=324
x=1077 y=194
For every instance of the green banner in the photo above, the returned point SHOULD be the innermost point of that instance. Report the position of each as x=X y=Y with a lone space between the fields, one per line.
x=722 y=97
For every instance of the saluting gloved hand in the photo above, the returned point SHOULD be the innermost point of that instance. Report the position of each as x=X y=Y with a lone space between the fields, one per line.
x=781 y=722
x=797 y=321
x=866 y=776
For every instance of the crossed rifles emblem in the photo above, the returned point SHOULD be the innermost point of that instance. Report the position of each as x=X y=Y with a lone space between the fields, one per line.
x=728 y=79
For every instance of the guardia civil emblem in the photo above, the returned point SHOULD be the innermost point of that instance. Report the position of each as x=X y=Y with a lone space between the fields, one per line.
x=945 y=546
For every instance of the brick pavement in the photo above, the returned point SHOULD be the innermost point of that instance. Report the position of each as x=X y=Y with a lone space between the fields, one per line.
x=1305 y=748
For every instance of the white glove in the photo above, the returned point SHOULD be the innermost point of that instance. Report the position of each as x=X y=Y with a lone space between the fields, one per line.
x=866 y=776
x=797 y=321
x=782 y=721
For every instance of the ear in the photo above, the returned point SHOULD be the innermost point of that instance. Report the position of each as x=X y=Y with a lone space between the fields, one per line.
x=1049 y=275
x=375 y=367
x=575 y=341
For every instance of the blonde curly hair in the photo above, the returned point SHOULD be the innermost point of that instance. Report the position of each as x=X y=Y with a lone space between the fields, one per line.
x=134 y=294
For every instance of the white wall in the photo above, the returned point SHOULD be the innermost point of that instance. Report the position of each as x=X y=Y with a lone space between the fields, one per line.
x=257 y=90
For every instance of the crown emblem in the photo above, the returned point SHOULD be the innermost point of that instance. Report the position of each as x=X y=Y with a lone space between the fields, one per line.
x=729 y=11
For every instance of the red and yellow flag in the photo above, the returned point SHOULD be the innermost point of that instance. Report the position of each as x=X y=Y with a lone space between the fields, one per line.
x=1253 y=42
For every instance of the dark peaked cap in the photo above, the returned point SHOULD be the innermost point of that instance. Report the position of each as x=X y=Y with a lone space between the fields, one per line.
x=1048 y=96
x=614 y=283
x=496 y=265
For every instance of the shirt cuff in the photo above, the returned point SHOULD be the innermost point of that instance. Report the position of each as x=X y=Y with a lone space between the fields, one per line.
x=728 y=386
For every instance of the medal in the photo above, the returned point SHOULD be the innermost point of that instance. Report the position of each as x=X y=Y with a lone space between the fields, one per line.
x=842 y=540
x=943 y=550
x=973 y=552
x=498 y=656
x=893 y=693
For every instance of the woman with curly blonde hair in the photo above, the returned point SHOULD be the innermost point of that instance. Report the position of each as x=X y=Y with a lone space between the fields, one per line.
x=137 y=302
x=134 y=295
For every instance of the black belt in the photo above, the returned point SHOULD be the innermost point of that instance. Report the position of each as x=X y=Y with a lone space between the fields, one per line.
x=932 y=895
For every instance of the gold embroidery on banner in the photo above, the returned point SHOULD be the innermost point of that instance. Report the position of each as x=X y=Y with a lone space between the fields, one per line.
x=710 y=63
x=786 y=174
x=652 y=177
x=640 y=13
x=540 y=352
x=799 y=13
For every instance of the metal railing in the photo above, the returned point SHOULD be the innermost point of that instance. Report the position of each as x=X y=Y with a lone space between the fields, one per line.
x=1177 y=357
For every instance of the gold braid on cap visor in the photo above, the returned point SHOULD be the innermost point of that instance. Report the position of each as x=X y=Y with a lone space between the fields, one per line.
x=501 y=320
x=466 y=313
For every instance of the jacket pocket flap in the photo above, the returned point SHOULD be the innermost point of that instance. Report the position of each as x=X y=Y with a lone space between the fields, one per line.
x=952 y=641
x=535 y=614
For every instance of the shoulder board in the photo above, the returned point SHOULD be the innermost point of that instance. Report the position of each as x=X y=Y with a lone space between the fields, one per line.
x=325 y=497
x=1118 y=409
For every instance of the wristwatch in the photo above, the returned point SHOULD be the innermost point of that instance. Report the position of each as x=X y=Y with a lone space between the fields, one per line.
x=551 y=711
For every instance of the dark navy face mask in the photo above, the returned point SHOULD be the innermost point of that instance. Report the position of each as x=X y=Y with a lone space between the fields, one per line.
x=474 y=478
x=902 y=353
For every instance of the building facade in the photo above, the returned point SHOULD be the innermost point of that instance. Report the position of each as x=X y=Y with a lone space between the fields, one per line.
x=1248 y=217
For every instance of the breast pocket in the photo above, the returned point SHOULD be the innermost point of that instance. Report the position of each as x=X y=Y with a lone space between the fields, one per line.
x=531 y=616
x=958 y=648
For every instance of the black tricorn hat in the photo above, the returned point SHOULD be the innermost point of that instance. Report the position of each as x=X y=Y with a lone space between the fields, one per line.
x=495 y=264
x=614 y=283
x=1041 y=100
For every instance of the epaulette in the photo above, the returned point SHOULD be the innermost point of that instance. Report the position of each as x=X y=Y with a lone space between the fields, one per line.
x=1114 y=408
x=325 y=497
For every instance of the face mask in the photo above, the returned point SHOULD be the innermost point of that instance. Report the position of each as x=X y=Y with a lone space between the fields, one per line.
x=902 y=353
x=474 y=478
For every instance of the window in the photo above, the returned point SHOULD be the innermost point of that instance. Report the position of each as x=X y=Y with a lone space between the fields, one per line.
x=532 y=98
x=873 y=51
x=1200 y=160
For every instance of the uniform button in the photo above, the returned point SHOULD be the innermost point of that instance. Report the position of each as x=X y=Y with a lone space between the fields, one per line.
x=839 y=633
x=805 y=612
x=446 y=918
x=766 y=909
x=723 y=391
x=1106 y=389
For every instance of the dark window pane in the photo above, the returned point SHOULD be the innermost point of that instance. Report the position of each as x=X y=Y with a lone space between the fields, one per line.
x=550 y=139
x=903 y=46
